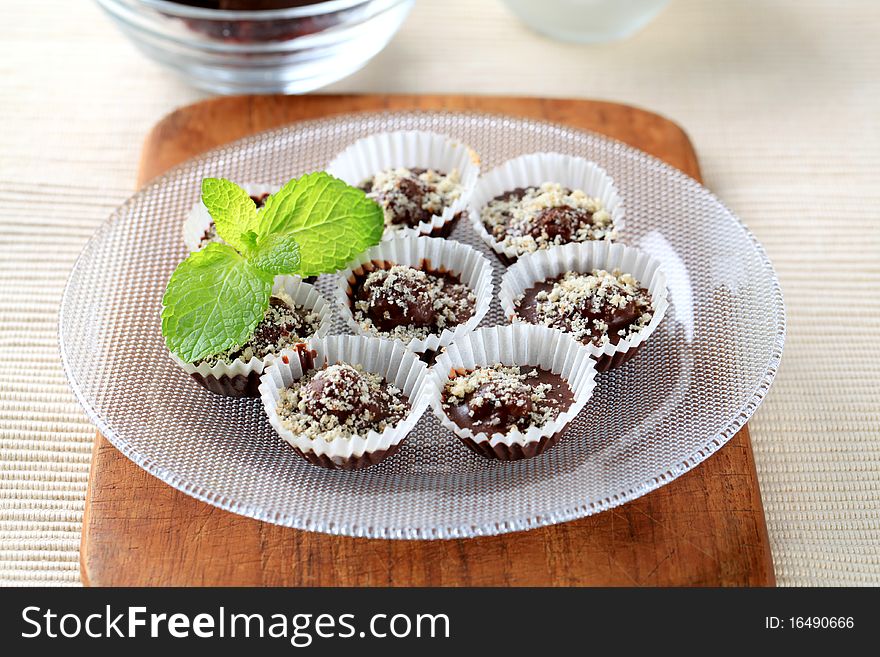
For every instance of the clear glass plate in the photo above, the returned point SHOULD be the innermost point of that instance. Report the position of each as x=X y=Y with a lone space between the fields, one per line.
x=690 y=389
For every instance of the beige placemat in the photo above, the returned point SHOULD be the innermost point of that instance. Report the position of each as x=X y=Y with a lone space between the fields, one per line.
x=781 y=99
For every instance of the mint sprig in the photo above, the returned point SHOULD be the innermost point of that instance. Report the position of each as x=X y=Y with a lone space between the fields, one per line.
x=332 y=221
x=217 y=296
x=232 y=209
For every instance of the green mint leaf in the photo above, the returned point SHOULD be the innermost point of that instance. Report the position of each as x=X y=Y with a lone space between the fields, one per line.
x=249 y=241
x=233 y=211
x=214 y=300
x=331 y=221
x=276 y=254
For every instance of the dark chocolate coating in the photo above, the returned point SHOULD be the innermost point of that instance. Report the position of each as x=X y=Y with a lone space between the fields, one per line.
x=388 y=308
x=616 y=318
x=260 y=200
x=560 y=222
x=413 y=189
x=269 y=332
x=509 y=415
x=317 y=393
x=402 y=311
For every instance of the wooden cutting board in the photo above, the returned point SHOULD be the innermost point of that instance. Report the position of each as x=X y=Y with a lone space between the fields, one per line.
x=705 y=528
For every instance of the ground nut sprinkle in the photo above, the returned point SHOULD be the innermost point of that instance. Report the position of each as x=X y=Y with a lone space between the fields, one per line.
x=284 y=325
x=405 y=303
x=499 y=398
x=597 y=307
x=340 y=401
x=532 y=218
x=411 y=196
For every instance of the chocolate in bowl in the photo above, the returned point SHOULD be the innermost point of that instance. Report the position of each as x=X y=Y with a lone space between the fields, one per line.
x=251 y=31
x=260 y=50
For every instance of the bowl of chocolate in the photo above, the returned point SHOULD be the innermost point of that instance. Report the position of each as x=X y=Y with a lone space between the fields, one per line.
x=259 y=46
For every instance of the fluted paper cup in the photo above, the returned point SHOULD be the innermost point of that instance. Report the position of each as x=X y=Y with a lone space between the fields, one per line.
x=431 y=254
x=199 y=220
x=242 y=379
x=517 y=345
x=533 y=170
x=584 y=257
x=387 y=358
x=411 y=149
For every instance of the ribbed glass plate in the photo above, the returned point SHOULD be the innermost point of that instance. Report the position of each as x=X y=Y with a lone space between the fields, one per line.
x=693 y=385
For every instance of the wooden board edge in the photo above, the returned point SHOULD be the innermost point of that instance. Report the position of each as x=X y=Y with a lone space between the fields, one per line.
x=180 y=119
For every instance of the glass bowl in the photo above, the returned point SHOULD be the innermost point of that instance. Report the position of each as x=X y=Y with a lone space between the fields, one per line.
x=292 y=50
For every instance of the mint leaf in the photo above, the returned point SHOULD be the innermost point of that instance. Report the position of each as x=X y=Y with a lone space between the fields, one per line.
x=331 y=221
x=233 y=211
x=249 y=240
x=214 y=301
x=276 y=254
x=217 y=296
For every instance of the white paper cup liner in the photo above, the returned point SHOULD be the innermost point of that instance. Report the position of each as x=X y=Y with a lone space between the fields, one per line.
x=388 y=358
x=432 y=254
x=584 y=257
x=517 y=345
x=199 y=220
x=533 y=170
x=410 y=149
x=240 y=378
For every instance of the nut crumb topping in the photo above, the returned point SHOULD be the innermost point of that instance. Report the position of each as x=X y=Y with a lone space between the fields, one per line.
x=533 y=218
x=411 y=196
x=341 y=401
x=499 y=398
x=597 y=307
x=405 y=303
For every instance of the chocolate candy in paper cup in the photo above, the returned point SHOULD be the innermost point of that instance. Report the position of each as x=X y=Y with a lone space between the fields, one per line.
x=241 y=378
x=583 y=258
x=591 y=189
x=389 y=359
x=562 y=363
x=413 y=150
x=446 y=259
